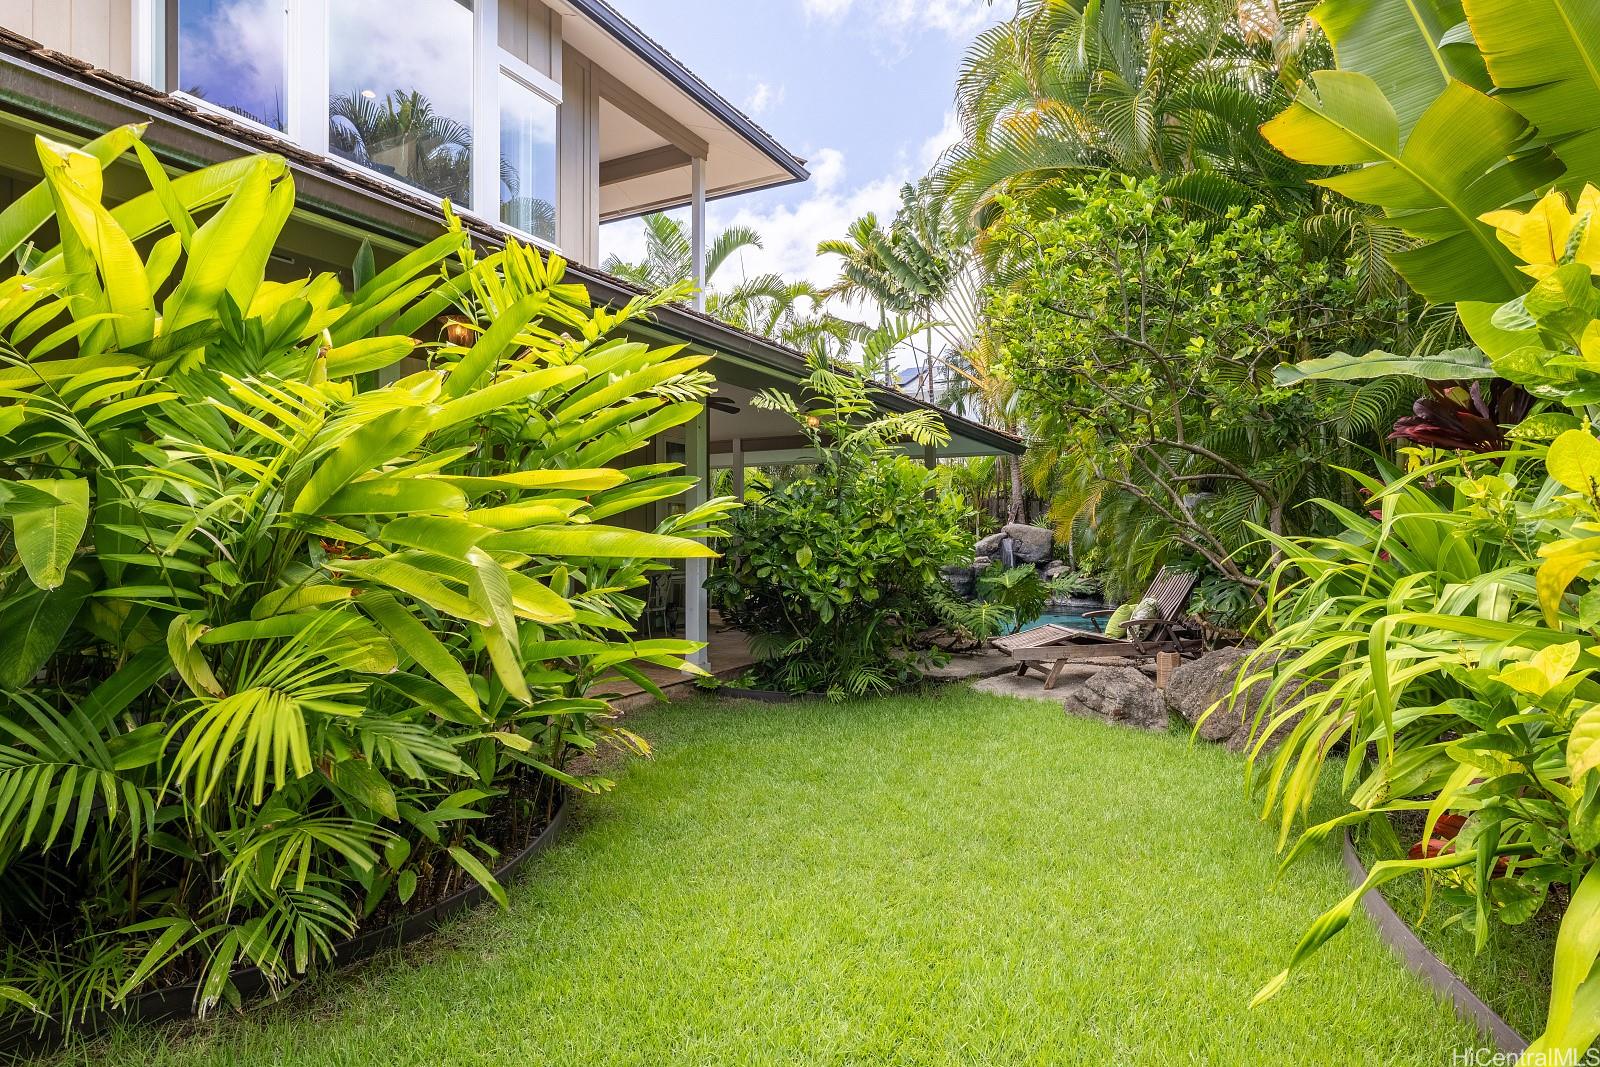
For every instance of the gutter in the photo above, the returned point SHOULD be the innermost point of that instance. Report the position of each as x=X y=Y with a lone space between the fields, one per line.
x=55 y=94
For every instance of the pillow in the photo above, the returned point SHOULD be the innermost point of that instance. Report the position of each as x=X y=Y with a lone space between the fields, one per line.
x=1117 y=625
x=1147 y=609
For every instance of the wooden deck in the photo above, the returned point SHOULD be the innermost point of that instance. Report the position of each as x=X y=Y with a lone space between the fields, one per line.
x=730 y=657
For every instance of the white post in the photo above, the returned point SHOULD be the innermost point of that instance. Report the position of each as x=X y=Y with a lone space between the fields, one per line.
x=697 y=228
x=697 y=610
x=307 y=75
x=738 y=468
x=485 y=173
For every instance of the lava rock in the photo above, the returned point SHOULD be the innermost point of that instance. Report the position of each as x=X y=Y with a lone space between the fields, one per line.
x=1197 y=686
x=990 y=546
x=1033 y=544
x=963 y=581
x=1124 y=695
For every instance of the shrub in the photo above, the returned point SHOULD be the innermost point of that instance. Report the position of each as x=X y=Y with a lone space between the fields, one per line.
x=1446 y=645
x=834 y=570
x=285 y=649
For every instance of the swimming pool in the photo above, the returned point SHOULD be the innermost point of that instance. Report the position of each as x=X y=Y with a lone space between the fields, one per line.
x=1075 y=622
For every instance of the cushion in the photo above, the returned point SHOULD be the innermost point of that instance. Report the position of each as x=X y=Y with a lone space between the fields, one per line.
x=1117 y=625
x=1147 y=609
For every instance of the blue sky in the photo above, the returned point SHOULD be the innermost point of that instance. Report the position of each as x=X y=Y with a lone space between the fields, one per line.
x=861 y=88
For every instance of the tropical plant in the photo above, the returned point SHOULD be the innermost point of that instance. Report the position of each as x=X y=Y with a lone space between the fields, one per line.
x=286 y=650
x=669 y=253
x=833 y=570
x=1169 y=90
x=1142 y=344
x=1448 y=642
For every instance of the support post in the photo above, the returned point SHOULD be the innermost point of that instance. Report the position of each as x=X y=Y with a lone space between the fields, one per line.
x=697 y=227
x=738 y=469
x=697 y=609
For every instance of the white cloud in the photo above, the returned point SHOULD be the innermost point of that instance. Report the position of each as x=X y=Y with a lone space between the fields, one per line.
x=956 y=18
x=763 y=98
x=935 y=147
x=789 y=232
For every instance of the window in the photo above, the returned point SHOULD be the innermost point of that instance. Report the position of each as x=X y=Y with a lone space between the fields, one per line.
x=400 y=76
x=527 y=159
x=231 y=53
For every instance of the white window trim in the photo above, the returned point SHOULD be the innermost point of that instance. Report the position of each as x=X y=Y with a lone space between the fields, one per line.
x=202 y=104
x=543 y=86
x=306 y=86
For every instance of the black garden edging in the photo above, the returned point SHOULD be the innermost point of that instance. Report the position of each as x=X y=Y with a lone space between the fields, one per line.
x=1399 y=936
x=178 y=1002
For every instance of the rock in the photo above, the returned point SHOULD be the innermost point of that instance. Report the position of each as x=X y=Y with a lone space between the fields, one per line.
x=1033 y=544
x=990 y=546
x=1124 y=695
x=1055 y=570
x=963 y=581
x=1195 y=686
x=981 y=563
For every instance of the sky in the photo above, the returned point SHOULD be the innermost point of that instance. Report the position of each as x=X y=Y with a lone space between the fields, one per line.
x=862 y=89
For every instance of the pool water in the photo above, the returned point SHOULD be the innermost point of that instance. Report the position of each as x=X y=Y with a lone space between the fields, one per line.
x=1075 y=622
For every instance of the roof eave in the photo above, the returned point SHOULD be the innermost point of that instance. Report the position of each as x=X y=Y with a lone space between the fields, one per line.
x=637 y=42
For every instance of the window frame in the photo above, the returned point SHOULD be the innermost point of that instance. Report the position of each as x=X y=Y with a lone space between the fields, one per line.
x=548 y=89
x=306 y=97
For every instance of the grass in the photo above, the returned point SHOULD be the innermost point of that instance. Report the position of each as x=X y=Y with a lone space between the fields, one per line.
x=940 y=879
x=1511 y=974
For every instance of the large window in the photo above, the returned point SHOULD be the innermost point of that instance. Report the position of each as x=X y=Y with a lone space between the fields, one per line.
x=527 y=159
x=400 y=75
x=231 y=53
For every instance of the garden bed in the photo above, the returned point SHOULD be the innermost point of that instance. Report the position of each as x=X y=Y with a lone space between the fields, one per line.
x=393 y=927
x=1511 y=976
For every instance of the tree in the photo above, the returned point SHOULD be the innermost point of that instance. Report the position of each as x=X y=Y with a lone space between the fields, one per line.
x=1143 y=344
x=402 y=135
x=669 y=253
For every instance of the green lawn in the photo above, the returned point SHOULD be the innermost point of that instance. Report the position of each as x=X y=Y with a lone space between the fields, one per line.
x=940 y=879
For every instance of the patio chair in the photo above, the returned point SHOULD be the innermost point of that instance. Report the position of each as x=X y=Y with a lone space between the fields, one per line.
x=1054 y=646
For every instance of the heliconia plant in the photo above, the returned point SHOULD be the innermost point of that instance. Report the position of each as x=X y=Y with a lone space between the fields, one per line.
x=306 y=594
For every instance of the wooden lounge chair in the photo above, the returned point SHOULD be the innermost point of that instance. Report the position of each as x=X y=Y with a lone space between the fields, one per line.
x=1056 y=646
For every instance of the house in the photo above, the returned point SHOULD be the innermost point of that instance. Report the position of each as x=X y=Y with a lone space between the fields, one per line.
x=535 y=120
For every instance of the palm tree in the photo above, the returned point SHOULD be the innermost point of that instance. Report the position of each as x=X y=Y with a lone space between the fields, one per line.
x=669 y=253
x=403 y=135
x=1168 y=88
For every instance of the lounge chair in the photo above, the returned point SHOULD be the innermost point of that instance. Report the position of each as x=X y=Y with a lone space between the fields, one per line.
x=1054 y=646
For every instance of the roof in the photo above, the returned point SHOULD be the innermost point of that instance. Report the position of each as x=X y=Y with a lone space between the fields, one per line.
x=44 y=88
x=642 y=45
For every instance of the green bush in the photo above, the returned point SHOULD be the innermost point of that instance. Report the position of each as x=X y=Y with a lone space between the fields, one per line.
x=282 y=649
x=834 y=570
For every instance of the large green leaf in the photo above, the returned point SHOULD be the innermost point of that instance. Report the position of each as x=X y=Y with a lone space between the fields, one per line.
x=33 y=622
x=1459 y=364
x=1544 y=56
x=596 y=542
x=1400 y=44
x=1459 y=162
x=47 y=538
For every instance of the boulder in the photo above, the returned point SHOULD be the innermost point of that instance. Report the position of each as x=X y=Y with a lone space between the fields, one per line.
x=981 y=563
x=989 y=546
x=1055 y=570
x=1195 y=686
x=1124 y=695
x=963 y=581
x=1033 y=544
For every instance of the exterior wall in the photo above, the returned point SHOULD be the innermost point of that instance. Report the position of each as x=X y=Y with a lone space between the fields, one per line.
x=532 y=32
x=578 y=140
x=104 y=32
x=99 y=31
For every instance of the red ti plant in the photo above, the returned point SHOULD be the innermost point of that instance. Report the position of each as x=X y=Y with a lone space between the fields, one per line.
x=1465 y=418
